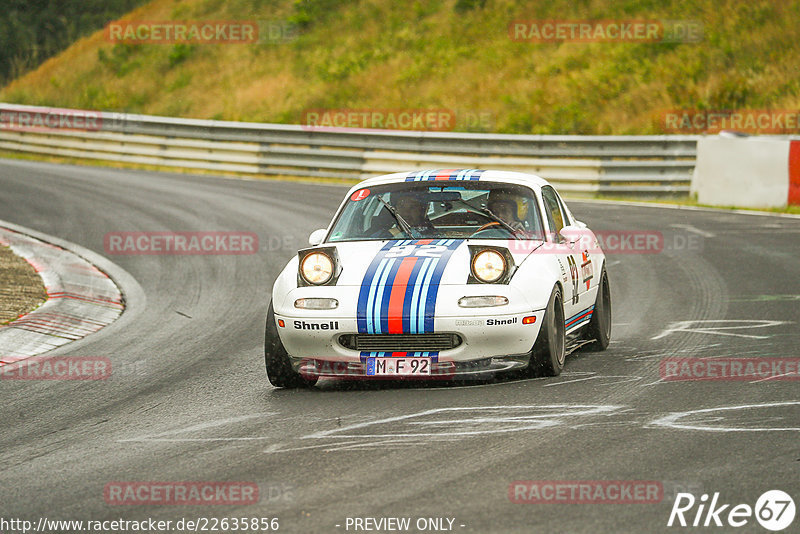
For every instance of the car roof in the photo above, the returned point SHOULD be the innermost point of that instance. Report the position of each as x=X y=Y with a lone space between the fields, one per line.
x=454 y=175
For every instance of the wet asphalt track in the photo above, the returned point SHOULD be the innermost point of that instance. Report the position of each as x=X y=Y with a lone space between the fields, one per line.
x=191 y=401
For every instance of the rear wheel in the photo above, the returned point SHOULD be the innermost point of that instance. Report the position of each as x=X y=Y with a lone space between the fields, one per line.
x=599 y=329
x=549 y=352
x=279 y=367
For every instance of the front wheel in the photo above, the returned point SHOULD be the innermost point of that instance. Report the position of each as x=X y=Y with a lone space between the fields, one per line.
x=549 y=350
x=279 y=368
x=599 y=328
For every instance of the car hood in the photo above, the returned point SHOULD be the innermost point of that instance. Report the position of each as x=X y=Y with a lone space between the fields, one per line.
x=439 y=261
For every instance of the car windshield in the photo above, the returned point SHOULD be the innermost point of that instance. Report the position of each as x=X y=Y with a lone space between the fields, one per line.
x=420 y=210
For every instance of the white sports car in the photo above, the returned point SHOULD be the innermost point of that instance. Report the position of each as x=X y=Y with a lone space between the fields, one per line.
x=439 y=274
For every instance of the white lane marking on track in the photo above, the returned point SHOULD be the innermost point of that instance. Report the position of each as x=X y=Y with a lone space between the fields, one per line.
x=687 y=326
x=348 y=445
x=672 y=420
x=694 y=230
x=485 y=425
x=571 y=381
x=187 y=440
x=622 y=380
x=660 y=354
x=766 y=298
x=659 y=381
x=201 y=426
x=475 y=386
x=771 y=378
x=277 y=447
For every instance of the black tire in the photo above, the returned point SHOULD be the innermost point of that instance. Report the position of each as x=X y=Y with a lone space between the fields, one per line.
x=279 y=368
x=549 y=351
x=599 y=329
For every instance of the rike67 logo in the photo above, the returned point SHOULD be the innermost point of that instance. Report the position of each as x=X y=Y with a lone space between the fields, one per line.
x=774 y=510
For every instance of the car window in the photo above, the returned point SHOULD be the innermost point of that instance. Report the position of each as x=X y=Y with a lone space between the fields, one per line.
x=564 y=212
x=439 y=211
x=552 y=209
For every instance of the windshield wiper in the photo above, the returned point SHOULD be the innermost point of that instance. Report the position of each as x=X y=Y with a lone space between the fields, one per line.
x=503 y=223
x=489 y=213
x=399 y=218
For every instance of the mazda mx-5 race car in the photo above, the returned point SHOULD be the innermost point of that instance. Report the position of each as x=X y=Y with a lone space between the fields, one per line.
x=439 y=274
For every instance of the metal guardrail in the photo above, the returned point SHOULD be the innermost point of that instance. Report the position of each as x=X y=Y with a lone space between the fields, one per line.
x=637 y=165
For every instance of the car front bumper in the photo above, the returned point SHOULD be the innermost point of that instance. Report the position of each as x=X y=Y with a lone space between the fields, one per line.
x=440 y=370
x=492 y=339
x=489 y=343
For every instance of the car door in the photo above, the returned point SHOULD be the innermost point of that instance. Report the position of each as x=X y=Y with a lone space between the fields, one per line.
x=585 y=248
x=568 y=255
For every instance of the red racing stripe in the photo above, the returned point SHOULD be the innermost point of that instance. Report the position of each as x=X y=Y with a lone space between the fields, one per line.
x=794 y=172
x=579 y=319
x=445 y=174
x=395 y=312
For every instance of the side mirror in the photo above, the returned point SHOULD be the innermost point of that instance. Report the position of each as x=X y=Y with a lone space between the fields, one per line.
x=572 y=233
x=317 y=237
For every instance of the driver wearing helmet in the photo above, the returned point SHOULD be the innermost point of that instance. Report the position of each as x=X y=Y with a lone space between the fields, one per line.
x=414 y=209
x=509 y=207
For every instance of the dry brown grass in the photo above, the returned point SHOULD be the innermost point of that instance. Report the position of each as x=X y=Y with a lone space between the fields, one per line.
x=21 y=288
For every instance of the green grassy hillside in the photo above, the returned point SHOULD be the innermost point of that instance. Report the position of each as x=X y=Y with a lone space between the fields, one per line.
x=438 y=54
x=34 y=30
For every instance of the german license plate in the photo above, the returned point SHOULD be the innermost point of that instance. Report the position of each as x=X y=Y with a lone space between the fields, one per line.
x=398 y=366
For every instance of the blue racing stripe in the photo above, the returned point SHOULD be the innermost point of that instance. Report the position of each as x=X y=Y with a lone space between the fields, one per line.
x=379 y=294
x=422 y=309
x=407 y=301
x=419 y=304
x=366 y=294
x=415 y=299
x=432 y=289
x=373 y=294
x=430 y=175
x=579 y=313
x=577 y=320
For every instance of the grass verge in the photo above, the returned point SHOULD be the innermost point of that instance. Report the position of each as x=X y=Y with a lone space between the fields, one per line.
x=21 y=288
